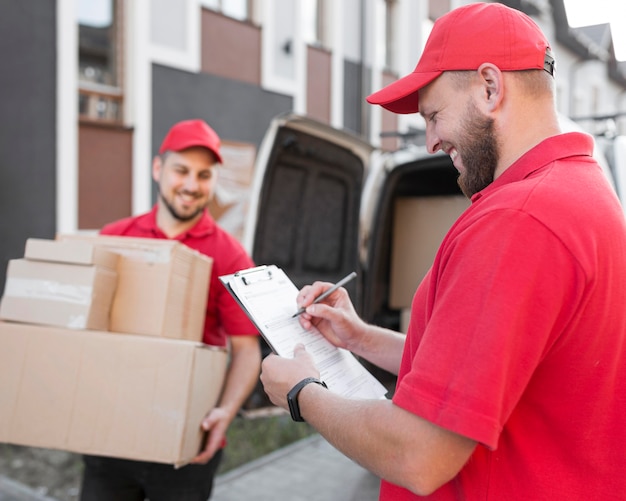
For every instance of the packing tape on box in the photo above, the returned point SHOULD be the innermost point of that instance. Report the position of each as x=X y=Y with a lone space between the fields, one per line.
x=142 y=253
x=48 y=290
x=77 y=322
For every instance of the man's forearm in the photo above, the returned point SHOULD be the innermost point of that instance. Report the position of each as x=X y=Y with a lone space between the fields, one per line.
x=387 y=440
x=382 y=347
x=243 y=373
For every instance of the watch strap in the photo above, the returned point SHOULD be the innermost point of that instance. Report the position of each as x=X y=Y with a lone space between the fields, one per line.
x=292 y=397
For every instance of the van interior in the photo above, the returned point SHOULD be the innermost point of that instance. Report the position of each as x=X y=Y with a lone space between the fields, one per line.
x=419 y=201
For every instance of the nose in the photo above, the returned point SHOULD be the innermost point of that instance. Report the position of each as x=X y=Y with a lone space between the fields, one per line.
x=433 y=143
x=191 y=183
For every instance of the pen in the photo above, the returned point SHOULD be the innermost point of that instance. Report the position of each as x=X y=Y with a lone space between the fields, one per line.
x=323 y=296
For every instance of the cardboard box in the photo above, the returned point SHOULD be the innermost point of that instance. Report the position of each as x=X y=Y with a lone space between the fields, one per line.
x=420 y=223
x=70 y=251
x=135 y=397
x=162 y=286
x=77 y=296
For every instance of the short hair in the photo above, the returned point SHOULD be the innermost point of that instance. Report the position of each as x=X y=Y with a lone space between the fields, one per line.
x=533 y=82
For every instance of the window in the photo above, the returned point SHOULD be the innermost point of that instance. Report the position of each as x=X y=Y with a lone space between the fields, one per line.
x=390 y=35
x=312 y=15
x=237 y=9
x=99 y=60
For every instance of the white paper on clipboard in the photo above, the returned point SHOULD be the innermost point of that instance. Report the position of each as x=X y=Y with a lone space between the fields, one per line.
x=268 y=297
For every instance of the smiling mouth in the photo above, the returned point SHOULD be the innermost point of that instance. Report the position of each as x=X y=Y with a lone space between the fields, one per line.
x=456 y=159
x=187 y=197
x=454 y=154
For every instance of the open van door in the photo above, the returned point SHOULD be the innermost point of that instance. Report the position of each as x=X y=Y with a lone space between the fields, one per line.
x=324 y=203
x=305 y=201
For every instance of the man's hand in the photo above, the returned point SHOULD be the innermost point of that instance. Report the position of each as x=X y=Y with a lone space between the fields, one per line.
x=215 y=423
x=279 y=374
x=335 y=317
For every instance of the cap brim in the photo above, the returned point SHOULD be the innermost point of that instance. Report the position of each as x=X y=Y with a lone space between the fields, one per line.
x=401 y=95
x=183 y=145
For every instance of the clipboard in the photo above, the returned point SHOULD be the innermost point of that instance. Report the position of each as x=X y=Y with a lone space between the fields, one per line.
x=249 y=277
x=268 y=297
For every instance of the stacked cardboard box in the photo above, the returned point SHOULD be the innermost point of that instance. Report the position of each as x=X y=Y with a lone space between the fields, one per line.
x=64 y=285
x=138 y=395
x=132 y=396
x=162 y=286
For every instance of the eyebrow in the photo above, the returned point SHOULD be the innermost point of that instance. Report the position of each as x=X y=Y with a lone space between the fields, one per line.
x=424 y=113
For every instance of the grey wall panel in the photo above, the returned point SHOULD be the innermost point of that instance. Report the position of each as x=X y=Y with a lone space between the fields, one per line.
x=27 y=125
x=355 y=89
x=238 y=111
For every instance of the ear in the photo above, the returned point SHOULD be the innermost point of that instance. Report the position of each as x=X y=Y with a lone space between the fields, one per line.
x=492 y=85
x=157 y=165
x=213 y=185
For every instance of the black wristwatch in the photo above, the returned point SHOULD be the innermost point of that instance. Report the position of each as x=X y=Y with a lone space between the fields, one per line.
x=292 y=397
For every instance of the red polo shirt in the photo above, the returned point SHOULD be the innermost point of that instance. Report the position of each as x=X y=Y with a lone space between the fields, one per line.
x=518 y=334
x=223 y=315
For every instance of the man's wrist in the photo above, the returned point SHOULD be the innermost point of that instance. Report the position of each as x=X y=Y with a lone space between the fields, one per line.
x=292 y=397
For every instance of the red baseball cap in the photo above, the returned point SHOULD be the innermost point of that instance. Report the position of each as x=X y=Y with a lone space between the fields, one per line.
x=190 y=133
x=465 y=38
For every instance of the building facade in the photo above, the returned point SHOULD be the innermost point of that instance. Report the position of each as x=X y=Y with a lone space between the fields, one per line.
x=91 y=86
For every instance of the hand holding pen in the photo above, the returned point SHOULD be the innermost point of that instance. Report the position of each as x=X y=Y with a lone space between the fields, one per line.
x=323 y=296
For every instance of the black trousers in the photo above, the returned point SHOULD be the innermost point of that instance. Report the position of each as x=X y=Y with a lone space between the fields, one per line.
x=112 y=479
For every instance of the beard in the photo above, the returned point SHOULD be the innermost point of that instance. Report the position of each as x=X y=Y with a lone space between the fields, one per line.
x=479 y=147
x=176 y=214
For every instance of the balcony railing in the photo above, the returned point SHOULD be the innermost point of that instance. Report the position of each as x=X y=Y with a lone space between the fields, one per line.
x=100 y=105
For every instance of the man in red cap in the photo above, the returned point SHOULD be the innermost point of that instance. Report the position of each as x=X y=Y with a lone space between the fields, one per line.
x=185 y=171
x=512 y=376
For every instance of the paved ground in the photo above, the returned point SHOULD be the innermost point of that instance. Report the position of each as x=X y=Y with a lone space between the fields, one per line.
x=308 y=470
x=14 y=491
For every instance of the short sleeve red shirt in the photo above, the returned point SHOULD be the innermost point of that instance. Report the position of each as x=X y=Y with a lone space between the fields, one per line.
x=518 y=333
x=223 y=315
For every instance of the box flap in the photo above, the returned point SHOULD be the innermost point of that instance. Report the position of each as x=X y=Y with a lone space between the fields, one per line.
x=70 y=251
x=150 y=250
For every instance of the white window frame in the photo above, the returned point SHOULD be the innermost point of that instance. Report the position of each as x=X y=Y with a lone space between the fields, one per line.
x=295 y=87
x=187 y=59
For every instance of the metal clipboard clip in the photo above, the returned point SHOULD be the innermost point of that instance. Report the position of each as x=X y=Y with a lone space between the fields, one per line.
x=254 y=275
